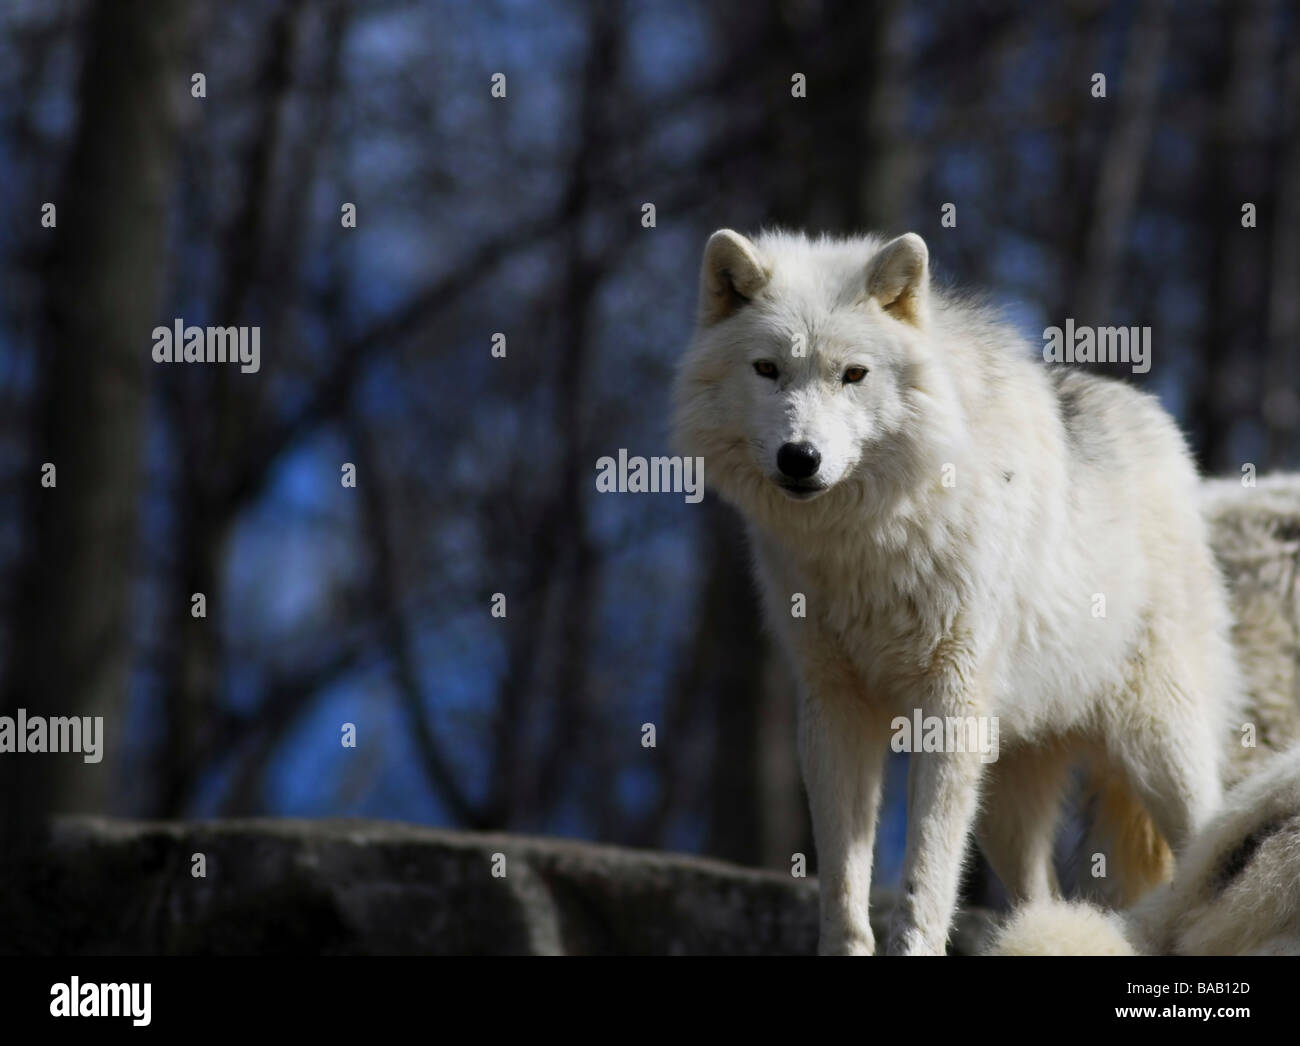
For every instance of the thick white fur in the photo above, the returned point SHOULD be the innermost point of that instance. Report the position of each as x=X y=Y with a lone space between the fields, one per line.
x=1054 y=927
x=1254 y=534
x=974 y=598
x=1237 y=887
x=1236 y=890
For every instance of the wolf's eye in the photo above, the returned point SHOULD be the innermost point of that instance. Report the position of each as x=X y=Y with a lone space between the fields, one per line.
x=854 y=375
x=765 y=369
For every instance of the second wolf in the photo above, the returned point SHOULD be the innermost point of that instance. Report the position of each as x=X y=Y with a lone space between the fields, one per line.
x=973 y=534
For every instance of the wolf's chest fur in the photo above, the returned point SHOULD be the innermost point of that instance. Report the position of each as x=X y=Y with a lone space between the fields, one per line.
x=903 y=600
x=887 y=601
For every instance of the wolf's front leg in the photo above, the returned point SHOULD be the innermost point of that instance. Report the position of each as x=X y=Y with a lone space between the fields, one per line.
x=842 y=757
x=942 y=792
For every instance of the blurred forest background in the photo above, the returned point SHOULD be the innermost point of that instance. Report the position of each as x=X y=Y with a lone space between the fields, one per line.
x=522 y=215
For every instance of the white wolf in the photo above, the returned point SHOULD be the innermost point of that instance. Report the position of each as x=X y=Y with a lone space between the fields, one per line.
x=974 y=534
x=1236 y=891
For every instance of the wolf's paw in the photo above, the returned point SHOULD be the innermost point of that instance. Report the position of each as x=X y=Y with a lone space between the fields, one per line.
x=906 y=939
x=846 y=942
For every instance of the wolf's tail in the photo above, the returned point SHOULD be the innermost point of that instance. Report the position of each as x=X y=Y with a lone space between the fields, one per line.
x=1137 y=857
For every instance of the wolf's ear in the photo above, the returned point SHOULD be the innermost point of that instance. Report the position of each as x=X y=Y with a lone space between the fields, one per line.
x=732 y=273
x=898 y=278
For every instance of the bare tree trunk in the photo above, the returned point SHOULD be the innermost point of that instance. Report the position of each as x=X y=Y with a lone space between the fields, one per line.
x=191 y=666
x=1232 y=151
x=784 y=826
x=1078 y=109
x=1281 y=389
x=884 y=168
x=550 y=661
x=1123 y=162
x=72 y=654
x=728 y=629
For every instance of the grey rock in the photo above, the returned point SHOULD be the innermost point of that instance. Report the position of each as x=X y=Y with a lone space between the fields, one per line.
x=374 y=887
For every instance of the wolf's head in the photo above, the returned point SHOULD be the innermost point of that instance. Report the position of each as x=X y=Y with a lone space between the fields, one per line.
x=810 y=370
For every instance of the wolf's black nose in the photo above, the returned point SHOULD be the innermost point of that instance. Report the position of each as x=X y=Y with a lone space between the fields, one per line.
x=798 y=460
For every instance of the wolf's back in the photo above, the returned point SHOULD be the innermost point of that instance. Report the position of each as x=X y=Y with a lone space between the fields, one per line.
x=1255 y=533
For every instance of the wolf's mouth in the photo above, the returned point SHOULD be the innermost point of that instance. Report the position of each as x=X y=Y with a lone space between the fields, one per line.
x=800 y=491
